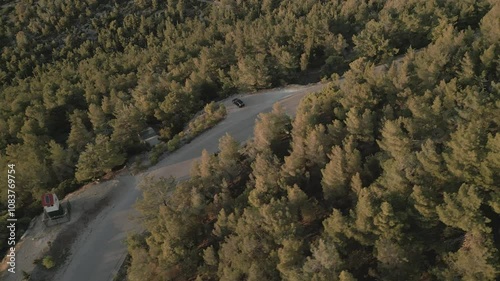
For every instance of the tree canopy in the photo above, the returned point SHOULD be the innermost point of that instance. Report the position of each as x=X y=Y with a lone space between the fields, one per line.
x=390 y=173
x=371 y=180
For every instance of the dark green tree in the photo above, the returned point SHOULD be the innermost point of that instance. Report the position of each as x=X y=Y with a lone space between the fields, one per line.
x=98 y=158
x=79 y=135
x=127 y=126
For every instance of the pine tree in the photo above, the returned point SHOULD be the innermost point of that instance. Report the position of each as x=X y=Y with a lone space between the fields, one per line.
x=477 y=259
x=79 y=136
x=255 y=273
x=313 y=109
x=62 y=161
x=287 y=61
x=324 y=263
x=229 y=157
x=291 y=256
x=364 y=215
x=427 y=114
x=307 y=208
x=432 y=162
x=250 y=244
x=400 y=169
x=336 y=132
x=254 y=72
x=271 y=132
x=294 y=169
x=397 y=181
x=220 y=228
x=32 y=161
x=154 y=193
x=336 y=226
x=489 y=25
x=334 y=177
x=356 y=187
x=488 y=59
x=402 y=73
x=317 y=146
x=98 y=158
x=142 y=266
x=355 y=93
x=98 y=120
x=127 y=126
x=279 y=221
x=462 y=209
x=394 y=141
x=210 y=256
x=31 y=131
x=490 y=170
x=265 y=179
x=425 y=202
x=346 y=276
x=205 y=167
x=389 y=225
x=464 y=157
x=394 y=260
x=4 y=133
x=372 y=43
x=467 y=73
x=344 y=163
x=360 y=125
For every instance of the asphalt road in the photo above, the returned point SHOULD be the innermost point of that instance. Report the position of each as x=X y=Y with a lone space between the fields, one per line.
x=98 y=253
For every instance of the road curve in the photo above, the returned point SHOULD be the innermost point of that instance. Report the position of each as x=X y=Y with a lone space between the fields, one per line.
x=98 y=253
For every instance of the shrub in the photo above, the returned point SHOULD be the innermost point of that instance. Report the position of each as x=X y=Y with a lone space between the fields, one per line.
x=156 y=152
x=210 y=108
x=213 y=113
x=48 y=262
x=174 y=143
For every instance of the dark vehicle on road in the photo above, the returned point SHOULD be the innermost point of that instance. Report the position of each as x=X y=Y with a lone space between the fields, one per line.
x=239 y=103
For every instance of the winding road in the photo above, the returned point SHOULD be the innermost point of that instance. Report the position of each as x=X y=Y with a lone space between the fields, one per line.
x=100 y=250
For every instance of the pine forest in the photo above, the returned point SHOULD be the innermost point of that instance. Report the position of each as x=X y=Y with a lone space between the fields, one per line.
x=392 y=172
